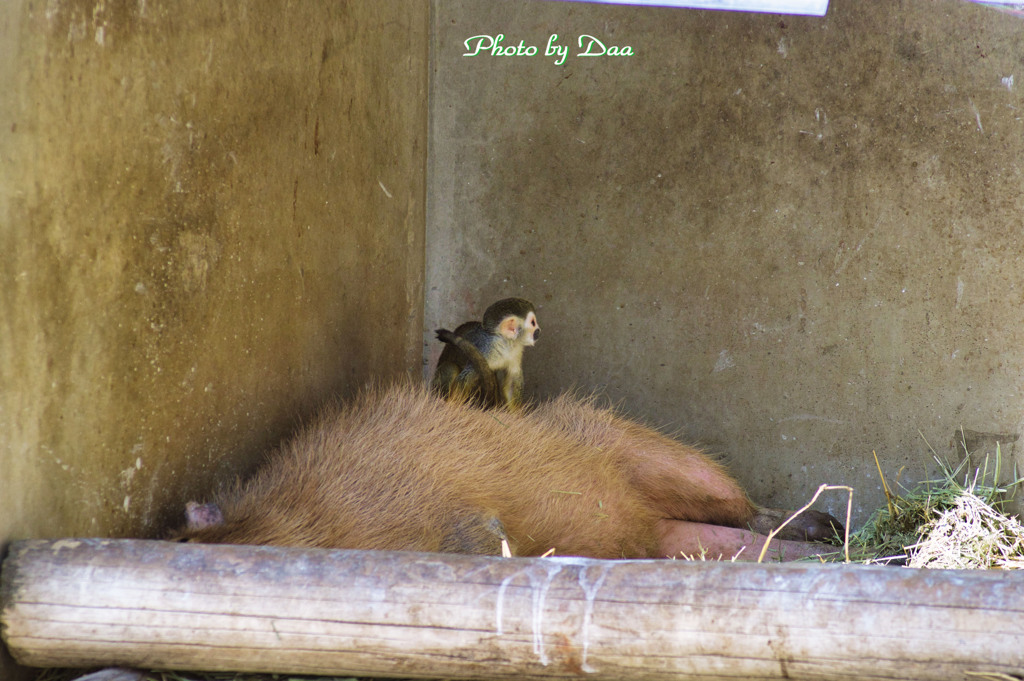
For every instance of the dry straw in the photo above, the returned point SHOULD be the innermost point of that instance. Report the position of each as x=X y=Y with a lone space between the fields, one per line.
x=952 y=522
x=970 y=535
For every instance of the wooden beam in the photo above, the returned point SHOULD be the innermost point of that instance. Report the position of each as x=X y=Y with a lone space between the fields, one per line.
x=81 y=602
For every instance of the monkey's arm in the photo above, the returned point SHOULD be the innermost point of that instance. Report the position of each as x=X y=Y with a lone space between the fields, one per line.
x=490 y=393
x=444 y=375
x=514 y=389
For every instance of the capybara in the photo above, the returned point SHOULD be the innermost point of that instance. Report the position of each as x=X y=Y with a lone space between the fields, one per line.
x=399 y=468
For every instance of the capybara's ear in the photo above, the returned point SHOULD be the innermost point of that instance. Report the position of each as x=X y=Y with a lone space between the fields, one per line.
x=199 y=516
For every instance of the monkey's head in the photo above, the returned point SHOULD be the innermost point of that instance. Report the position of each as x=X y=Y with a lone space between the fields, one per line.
x=513 y=319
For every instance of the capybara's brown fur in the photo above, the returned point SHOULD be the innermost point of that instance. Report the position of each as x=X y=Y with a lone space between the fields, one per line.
x=399 y=468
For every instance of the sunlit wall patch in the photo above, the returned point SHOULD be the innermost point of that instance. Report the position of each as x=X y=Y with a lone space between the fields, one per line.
x=1008 y=7
x=810 y=7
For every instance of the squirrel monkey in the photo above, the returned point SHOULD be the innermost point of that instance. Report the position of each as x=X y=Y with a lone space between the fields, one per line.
x=508 y=327
x=488 y=392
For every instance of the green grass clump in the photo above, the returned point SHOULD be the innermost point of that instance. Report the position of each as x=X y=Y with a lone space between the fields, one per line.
x=892 y=532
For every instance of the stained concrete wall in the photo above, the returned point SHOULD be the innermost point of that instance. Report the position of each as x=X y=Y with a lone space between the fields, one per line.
x=796 y=240
x=211 y=220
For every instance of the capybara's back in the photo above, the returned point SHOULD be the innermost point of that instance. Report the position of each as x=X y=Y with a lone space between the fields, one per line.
x=401 y=469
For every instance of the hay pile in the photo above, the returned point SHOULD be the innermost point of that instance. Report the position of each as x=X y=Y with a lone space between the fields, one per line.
x=954 y=522
x=971 y=535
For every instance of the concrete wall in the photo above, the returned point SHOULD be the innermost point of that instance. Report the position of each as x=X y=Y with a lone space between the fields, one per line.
x=211 y=220
x=797 y=240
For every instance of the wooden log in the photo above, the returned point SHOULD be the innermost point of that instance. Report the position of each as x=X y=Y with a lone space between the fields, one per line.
x=269 y=609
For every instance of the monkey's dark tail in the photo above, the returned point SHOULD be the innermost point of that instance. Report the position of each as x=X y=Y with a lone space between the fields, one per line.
x=490 y=394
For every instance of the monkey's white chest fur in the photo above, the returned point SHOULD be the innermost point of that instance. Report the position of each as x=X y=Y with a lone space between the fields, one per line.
x=507 y=357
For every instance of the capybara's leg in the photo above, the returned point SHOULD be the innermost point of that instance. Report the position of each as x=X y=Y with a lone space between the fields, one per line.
x=680 y=538
x=808 y=526
x=674 y=480
x=474 y=533
x=682 y=482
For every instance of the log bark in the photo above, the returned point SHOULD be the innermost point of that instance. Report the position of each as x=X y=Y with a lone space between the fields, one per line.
x=163 y=605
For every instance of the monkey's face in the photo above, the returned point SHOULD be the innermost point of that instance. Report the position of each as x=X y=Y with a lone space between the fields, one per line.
x=525 y=331
x=514 y=327
x=531 y=330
